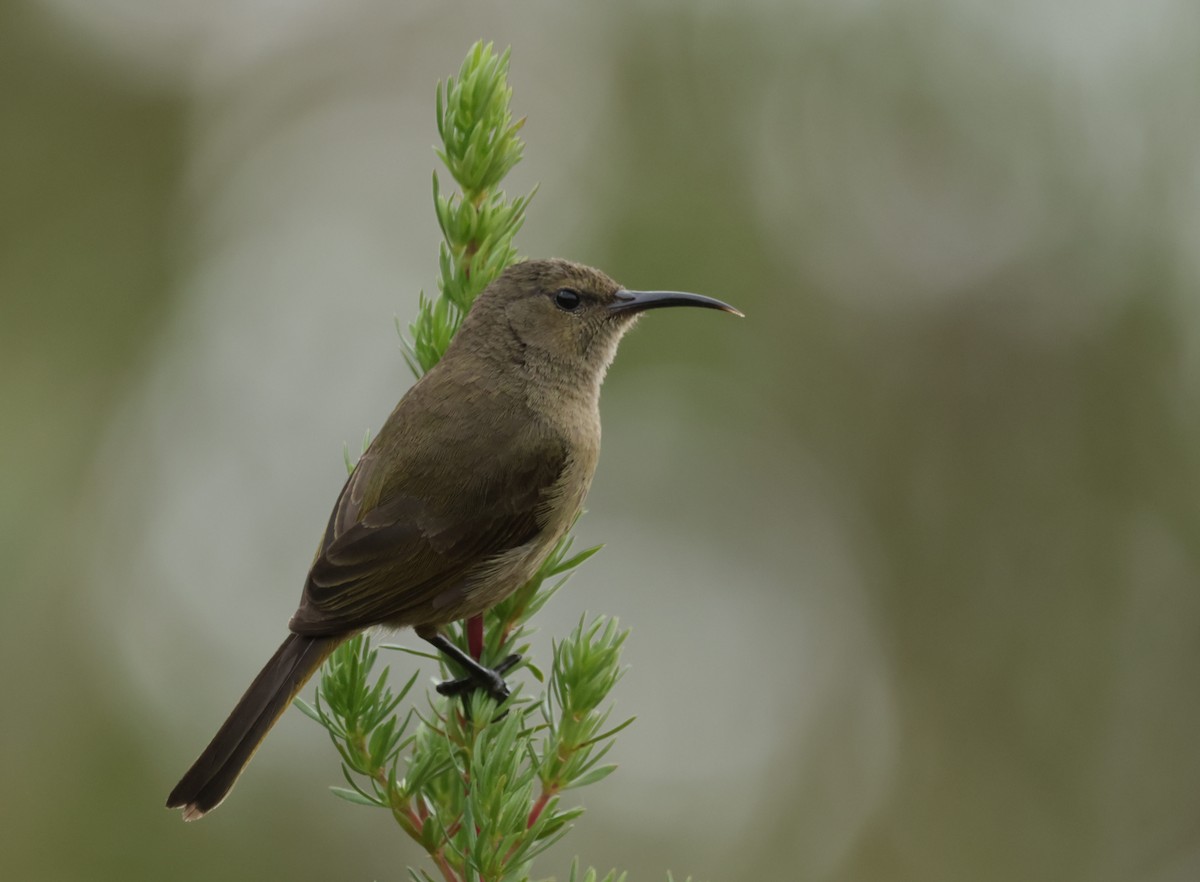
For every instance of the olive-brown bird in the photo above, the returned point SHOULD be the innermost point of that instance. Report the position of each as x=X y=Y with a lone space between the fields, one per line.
x=473 y=479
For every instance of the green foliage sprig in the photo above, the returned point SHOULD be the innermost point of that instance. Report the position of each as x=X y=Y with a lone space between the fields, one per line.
x=480 y=145
x=478 y=786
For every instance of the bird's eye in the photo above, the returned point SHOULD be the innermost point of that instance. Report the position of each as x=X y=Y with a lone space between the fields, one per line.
x=566 y=298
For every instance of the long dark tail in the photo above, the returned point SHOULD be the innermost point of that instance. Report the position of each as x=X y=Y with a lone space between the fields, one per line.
x=213 y=775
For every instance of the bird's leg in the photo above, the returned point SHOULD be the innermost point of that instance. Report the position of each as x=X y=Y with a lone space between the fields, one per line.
x=478 y=676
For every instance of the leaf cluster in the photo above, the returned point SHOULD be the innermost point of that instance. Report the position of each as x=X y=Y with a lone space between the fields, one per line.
x=477 y=785
x=480 y=145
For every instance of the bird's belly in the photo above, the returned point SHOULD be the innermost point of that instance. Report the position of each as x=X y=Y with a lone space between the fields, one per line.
x=494 y=580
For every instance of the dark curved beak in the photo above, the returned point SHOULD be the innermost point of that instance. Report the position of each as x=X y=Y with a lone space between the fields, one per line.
x=637 y=301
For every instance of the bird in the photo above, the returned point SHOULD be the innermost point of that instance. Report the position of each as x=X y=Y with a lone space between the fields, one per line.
x=472 y=480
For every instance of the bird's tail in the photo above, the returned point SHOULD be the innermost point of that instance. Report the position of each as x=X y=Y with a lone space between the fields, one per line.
x=213 y=775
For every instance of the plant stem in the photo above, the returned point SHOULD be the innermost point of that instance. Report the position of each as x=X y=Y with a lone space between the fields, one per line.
x=540 y=805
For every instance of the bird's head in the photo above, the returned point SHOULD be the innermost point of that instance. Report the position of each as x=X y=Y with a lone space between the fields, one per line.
x=570 y=313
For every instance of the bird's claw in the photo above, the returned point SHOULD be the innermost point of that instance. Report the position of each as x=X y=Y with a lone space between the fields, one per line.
x=490 y=680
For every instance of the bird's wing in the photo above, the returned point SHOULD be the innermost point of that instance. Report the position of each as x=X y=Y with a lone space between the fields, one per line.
x=409 y=555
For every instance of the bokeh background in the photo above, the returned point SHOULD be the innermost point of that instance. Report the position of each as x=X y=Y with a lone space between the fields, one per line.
x=910 y=555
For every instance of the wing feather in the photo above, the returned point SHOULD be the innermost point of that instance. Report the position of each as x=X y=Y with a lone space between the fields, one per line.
x=399 y=560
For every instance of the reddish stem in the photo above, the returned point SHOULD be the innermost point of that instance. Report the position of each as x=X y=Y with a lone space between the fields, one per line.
x=475 y=636
x=539 y=807
x=444 y=865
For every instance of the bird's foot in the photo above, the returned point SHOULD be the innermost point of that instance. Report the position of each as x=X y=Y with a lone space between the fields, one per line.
x=490 y=680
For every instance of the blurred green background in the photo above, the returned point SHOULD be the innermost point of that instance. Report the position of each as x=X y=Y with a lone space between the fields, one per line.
x=910 y=555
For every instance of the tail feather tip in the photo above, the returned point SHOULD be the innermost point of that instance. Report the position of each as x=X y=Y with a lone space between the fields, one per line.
x=192 y=812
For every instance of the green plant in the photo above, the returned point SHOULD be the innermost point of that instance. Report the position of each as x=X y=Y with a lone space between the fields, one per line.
x=479 y=788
